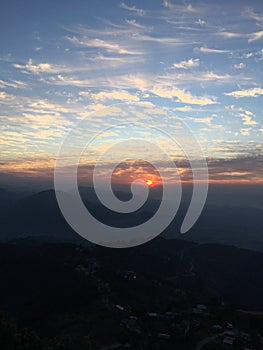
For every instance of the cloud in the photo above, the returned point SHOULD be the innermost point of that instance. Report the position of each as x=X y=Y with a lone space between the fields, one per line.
x=6 y=97
x=206 y=76
x=209 y=50
x=245 y=132
x=135 y=24
x=110 y=95
x=246 y=115
x=126 y=81
x=184 y=109
x=113 y=59
x=187 y=78
x=254 y=92
x=180 y=8
x=251 y=36
x=16 y=84
x=41 y=105
x=231 y=35
x=131 y=81
x=134 y=9
x=248 y=55
x=240 y=65
x=187 y=64
x=70 y=81
x=6 y=58
x=3 y=95
x=255 y=36
x=31 y=132
x=102 y=44
x=248 y=120
x=42 y=68
x=200 y=22
x=161 y=40
x=53 y=120
x=201 y=77
x=110 y=62
x=205 y=120
x=249 y=12
x=238 y=169
x=182 y=95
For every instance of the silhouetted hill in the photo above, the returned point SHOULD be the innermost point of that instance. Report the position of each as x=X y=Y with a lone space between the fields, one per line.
x=66 y=292
x=204 y=272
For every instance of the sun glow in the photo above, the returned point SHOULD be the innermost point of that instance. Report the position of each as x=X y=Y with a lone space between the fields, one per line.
x=149 y=182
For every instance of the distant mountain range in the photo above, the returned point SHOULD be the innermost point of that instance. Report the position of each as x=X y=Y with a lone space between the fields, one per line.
x=38 y=216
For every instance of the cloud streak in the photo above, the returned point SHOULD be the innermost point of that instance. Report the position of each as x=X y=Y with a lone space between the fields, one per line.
x=110 y=95
x=191 y=63
x=102 y=44
x=253 y=92
x=133 y=9
x=204 y=49
x=182 y=96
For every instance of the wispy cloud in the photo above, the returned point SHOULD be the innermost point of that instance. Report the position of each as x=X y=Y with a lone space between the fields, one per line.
x=191 y=63
x=248 y=55
x=134 y=23
x=231 y=35
x=204 y=49
x=199 y=77
x=65 y=80
x=250 y=13
x=42 y=67
x=250 y=36
x=255 y=36
x=5 y=96
x=16 y=84
x=182 y=96
x=245 y=131
x=204 y=120
x=247 y=120
x=240 y=65
x=133 y=9
x=100 y=61
x=184 y=109
x=253 y=92
x=165 y=40
x=181 y=8
x=110 y=95
x=200 y=22
x=234 y=169
x=99 y=43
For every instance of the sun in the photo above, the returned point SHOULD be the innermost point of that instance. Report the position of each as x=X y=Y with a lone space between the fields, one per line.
x=149 y=182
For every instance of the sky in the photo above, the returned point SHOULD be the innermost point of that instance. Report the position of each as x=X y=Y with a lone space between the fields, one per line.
x=198 y=62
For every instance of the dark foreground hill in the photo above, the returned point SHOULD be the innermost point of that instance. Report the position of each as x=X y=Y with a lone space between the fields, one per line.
x=72 y=297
